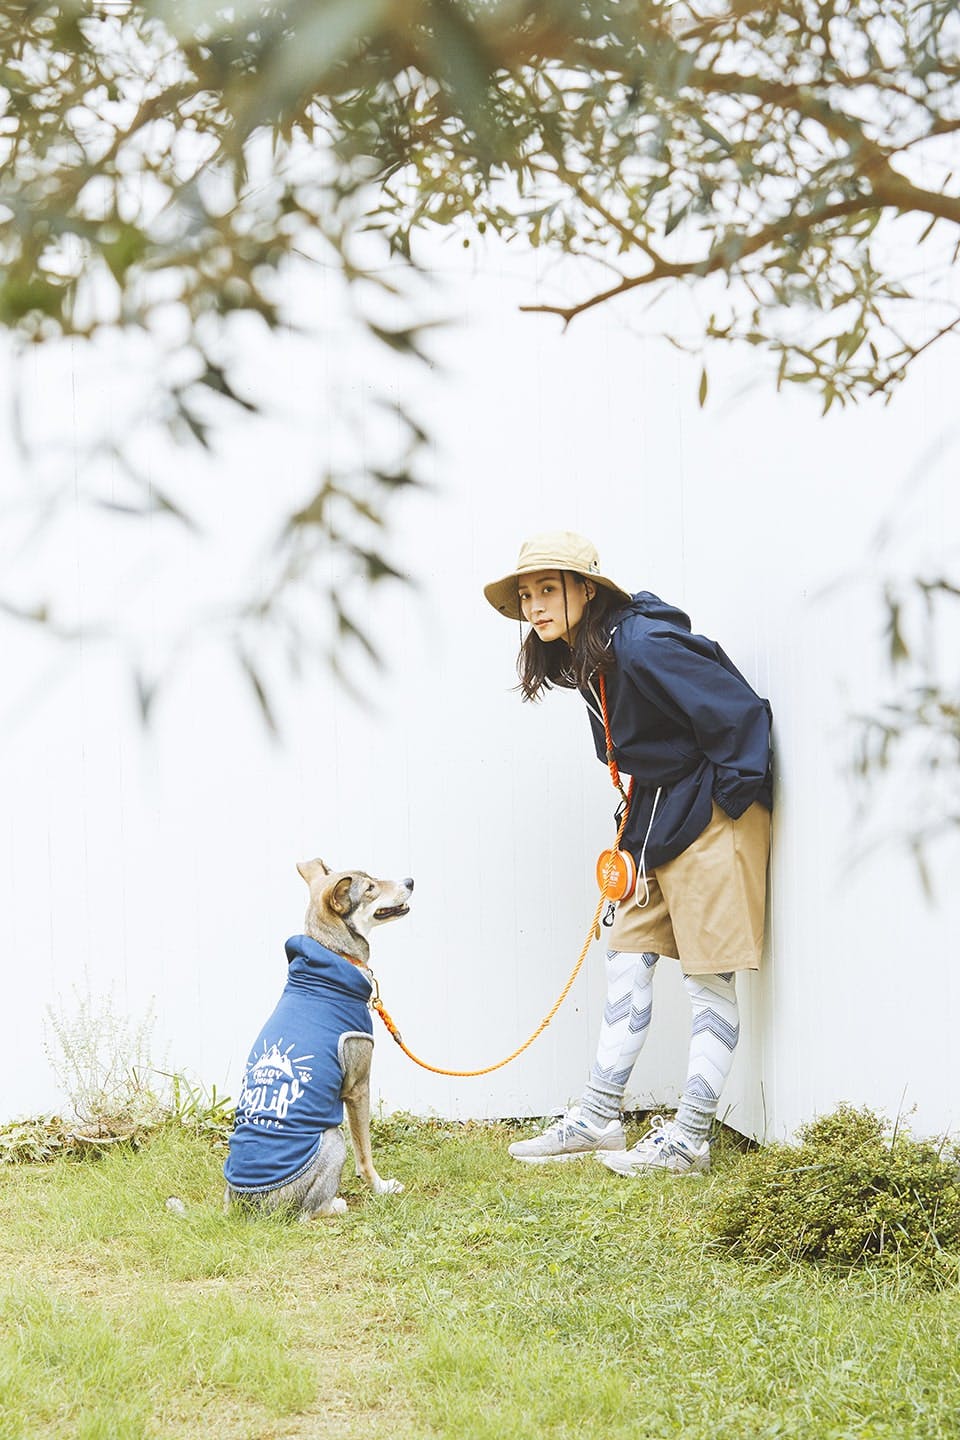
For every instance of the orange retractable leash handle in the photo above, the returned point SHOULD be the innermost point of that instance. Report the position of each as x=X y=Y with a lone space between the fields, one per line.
x=609 y=866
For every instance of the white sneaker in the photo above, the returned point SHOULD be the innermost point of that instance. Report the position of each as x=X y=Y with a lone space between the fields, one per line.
x=664 y=1147
x=571 y=1138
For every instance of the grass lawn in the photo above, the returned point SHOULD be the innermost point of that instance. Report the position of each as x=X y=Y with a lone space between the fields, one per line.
x=491 y=1300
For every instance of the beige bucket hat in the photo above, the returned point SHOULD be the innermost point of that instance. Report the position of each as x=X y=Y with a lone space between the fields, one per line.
x=557 y=550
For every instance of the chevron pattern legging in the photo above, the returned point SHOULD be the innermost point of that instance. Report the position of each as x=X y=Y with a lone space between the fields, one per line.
x=626 y=1021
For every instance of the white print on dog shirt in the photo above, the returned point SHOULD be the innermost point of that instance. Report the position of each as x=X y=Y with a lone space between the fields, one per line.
x=272 y=1083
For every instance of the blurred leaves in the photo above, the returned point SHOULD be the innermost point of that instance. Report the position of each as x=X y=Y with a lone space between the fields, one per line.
x=916 y=732
x=159 y=154
x=756 y=142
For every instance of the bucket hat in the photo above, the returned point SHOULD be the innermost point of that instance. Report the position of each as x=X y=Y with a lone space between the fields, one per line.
x=556 y=550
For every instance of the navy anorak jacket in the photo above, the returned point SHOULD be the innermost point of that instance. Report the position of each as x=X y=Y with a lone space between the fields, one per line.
x=683 y=720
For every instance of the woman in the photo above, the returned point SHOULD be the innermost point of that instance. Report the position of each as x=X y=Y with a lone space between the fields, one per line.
x=694 y=736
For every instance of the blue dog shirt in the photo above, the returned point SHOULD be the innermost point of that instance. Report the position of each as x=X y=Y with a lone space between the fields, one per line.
x=292 y=1082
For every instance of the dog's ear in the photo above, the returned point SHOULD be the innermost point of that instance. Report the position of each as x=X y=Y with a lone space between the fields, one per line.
x=309 y=869
x=339 y=899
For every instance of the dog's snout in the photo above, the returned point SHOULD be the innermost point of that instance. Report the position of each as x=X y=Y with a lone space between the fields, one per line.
x=408 y=885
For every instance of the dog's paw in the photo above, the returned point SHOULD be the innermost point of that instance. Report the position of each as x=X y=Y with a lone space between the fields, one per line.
x=387 y=1187
x=337 y=1206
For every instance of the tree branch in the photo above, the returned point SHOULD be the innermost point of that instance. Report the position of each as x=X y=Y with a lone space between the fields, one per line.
x=721 y=257
x=911 y=354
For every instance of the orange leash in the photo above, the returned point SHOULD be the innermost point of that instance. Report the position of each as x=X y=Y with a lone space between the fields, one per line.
x=593 y=934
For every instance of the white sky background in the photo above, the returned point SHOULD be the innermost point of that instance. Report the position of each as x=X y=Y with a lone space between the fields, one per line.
x=160 y=863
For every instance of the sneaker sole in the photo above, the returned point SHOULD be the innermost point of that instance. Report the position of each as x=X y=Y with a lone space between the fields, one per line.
x=560 y=1159
x=630 y=1172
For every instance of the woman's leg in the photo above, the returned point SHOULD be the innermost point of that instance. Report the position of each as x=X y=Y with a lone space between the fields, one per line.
x=594 y=1126
x=713 y=1040
x=682 y=1145
x=626 y=1020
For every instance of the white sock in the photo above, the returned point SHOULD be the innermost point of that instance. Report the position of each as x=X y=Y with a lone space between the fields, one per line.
x=626 y=1020
x=713 y=1040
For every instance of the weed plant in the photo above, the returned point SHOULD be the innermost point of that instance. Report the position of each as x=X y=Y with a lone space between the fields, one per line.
x=851 y=1193
x=117 y=1093
x=103 y=1062
x=490 y=1301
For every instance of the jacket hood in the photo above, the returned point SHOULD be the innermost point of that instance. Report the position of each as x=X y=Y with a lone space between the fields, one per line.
x=311 y=966
x=653 y=608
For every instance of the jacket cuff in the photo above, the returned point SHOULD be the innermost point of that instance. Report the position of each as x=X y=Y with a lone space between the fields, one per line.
x=732 y=805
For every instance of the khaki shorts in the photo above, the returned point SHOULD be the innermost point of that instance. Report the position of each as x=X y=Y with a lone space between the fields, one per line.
x=706 y=906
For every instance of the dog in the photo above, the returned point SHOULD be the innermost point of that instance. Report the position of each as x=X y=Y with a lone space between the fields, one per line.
x=312 y=1058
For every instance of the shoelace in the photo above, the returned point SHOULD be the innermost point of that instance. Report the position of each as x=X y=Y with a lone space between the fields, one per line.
x=656 y=1135
x=565 y=1126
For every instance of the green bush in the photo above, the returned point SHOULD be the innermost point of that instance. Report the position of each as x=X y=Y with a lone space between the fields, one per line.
x=850 y=1194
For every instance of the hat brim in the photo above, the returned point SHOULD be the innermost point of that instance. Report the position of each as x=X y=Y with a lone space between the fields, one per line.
x=502 y=594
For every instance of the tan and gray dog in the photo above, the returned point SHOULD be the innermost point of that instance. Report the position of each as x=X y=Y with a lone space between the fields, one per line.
x=312 y=1057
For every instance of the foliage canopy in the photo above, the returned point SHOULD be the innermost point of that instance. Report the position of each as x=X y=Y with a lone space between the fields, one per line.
x=666 y=141
x=176 y=156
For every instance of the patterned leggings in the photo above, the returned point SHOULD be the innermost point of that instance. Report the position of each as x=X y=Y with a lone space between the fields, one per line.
x=626 y=1020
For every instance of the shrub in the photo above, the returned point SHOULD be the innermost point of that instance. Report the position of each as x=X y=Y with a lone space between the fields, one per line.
x=849 y=1194
x=102 y=1060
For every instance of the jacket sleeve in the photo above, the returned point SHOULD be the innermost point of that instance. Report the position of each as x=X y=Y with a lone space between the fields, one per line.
x=729 y=722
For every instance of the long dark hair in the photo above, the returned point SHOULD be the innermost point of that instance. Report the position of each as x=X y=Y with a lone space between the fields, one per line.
x=542 y=664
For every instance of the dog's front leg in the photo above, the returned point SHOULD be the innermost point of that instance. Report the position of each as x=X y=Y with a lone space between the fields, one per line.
x=356 y=1052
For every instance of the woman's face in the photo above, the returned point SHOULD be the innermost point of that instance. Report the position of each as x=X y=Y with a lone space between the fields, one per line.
x=542 y=603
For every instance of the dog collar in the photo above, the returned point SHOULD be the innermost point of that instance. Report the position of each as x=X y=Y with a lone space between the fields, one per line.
x=366 y=972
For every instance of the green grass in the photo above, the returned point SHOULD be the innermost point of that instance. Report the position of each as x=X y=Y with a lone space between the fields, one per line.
x=491 y=1300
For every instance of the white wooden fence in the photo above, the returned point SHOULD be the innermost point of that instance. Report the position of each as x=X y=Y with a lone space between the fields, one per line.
x=158 y=865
